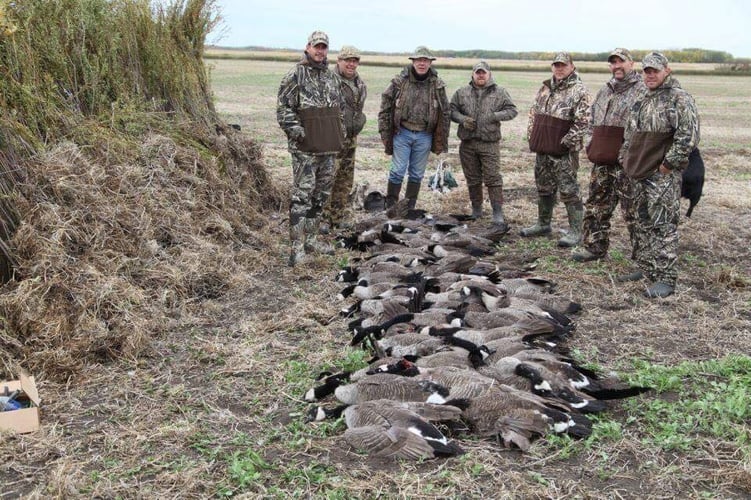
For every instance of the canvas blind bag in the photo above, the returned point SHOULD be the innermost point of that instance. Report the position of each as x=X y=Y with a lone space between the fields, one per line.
x=646 y=153
x=547 y=133
x=323 y=130
x=605 y=144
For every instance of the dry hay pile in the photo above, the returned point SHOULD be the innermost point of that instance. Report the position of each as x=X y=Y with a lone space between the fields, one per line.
x=117 y=239
x=457 y=343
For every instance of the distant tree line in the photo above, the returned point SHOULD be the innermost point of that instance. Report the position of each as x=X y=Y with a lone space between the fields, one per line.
x=726 y=63
x=683 y=55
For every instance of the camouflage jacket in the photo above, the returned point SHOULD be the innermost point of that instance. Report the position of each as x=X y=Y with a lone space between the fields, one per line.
x=567 y=99
x=307 y=85
x=668 y=108
x=354 y=92
x=419 y=100
x=488 y=105
x=613 y=102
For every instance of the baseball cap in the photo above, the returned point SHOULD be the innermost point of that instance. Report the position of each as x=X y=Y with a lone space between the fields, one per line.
x=422 y=52
x=624 y=54
x=563 y=57
x=318 y=37
x=349 y=52
x=481 y=65
x=655 y=60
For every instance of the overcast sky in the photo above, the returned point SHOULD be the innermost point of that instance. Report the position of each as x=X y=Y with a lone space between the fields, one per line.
x=512 y=25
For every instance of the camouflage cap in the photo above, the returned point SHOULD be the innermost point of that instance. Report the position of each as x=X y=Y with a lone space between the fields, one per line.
x=318 y=37
x=563 y=57
x=349 y=52
x=422 y=52
x=655 y=60
x=624 y=54
x=481 y=65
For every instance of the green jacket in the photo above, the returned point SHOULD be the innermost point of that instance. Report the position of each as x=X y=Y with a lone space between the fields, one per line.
x=354 y=92
x=668 y=108
x=425 y=100
x=307 y=88
x=489 y=106
x=613 y=103
x=567 y=100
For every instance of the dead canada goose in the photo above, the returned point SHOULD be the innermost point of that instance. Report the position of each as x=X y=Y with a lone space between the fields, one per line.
x=578 y=377
x=378 y=331
x=532 y=283
x=451 y=262
x=524 y=326
x=516 y=417
x=387 y=428
x=538 y=380
x=508 y=316
x=393 y=387
x=410 y=344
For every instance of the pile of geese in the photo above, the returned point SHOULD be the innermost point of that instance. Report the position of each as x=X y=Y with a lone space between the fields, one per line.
x=458 y=345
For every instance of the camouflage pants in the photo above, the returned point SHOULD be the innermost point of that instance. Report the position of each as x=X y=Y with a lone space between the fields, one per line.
x=481 y=163
x=344 y=177
x=558 y=173
x=607 y=185
x=311 y=187
x=656 y=211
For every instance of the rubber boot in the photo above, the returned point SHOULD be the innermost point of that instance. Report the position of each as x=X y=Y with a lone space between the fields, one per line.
x=413 y=189
x=392 y=194
x=575 y=215
x=296 y=241
x=475 y=198
x=544 y=214
x=495 y=193
x=312 y=245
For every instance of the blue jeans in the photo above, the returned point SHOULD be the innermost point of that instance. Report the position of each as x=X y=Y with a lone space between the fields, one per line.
x=411 y=150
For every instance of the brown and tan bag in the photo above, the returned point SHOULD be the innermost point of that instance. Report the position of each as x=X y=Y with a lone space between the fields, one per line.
x=323 y=130
x=645 y=153
x=547 y=132
x=605 y=144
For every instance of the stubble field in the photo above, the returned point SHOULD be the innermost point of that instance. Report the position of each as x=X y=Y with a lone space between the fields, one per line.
x=217 y=409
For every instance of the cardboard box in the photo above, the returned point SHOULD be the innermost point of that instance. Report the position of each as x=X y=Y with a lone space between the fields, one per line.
x=24 y=419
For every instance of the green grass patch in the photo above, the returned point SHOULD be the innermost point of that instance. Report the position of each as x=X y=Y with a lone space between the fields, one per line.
x=695 y=400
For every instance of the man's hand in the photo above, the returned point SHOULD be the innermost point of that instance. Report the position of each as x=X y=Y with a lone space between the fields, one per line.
x=664 y=170
x=469 y=123
x=297 y=134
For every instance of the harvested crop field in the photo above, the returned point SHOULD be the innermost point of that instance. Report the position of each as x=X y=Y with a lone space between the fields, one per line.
x=209 y=399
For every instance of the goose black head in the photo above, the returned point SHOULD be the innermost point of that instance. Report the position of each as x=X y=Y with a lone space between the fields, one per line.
x=438 y=393
x=319 y=413
x=478 y=355
x=348 y=275
x=328 y=386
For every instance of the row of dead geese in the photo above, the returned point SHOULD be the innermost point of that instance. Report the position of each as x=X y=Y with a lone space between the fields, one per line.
x=459 y=346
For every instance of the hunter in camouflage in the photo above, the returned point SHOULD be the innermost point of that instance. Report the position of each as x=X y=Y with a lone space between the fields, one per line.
x=608 y=183
x=354 y=92
x=413 y=121
x=309 y=111
x=558 y=121
x=479 y=108
x=661 y=132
